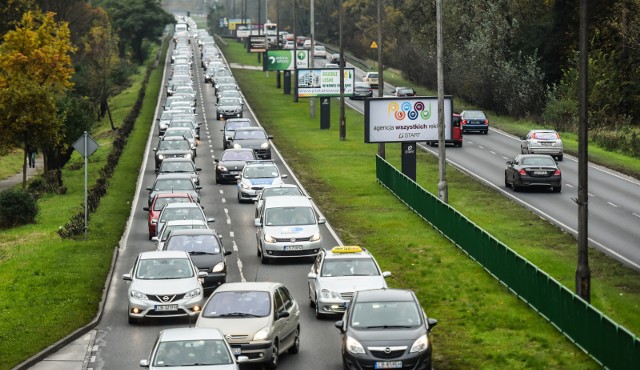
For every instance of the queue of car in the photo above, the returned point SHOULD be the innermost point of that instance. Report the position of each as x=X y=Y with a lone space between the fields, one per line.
x=185 y=273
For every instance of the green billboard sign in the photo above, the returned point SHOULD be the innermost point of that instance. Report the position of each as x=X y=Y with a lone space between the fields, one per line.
x=282 y=60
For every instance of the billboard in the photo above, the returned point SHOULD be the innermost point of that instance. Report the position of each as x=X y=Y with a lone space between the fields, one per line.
x=282 y=60
x=388 y=120
x=244 y=30
x=257 y=44
x=324 y=82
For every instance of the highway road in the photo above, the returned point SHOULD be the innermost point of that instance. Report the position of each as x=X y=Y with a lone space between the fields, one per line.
x=119 y=345
x=614 y=198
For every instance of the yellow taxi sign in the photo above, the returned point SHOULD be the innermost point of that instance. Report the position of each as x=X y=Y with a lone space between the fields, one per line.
x=347 y=249
x=374 y=45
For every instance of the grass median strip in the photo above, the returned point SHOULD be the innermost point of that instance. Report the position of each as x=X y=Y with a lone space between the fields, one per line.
x=481 y=324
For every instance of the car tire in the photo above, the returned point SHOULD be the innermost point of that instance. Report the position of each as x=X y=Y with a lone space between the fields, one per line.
x=557 y=189
x=560 y=158
x=132 y=320
x=319 y=315
x=515 y=187
x=523 y=151
x=312 y=304
x=217 y=180
x=506 y=182
x=295 y=347
x=263 y=259
x=273 y=362
x=486 y=132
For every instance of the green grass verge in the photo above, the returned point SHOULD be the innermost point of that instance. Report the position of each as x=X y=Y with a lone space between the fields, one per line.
x=481 y=325
x=48 y=286
x=11 y=163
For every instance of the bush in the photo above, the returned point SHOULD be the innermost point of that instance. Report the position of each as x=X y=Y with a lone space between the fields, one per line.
x=17 y=207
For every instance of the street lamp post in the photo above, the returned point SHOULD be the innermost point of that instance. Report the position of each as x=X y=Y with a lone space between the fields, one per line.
x=381 y=146
x=443 y=192
x=295 y=53
x=343 y=122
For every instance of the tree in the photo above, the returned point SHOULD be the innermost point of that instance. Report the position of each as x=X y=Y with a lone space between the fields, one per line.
x=35 y=69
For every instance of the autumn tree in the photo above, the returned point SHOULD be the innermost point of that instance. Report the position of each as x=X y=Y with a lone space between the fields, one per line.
x=35 y=70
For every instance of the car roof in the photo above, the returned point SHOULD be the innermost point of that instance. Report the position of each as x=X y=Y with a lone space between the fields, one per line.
x=177 y=159
x=363 y=253
x=173 y=175
x=193 y=232
x=248 y=286
x=181 y=205
x=180 y=334
x=544 y=130
x=172 y=195
x=287 y=201
x=163 y=254
x=385 y=294
x=252 y=128
x=185 y=223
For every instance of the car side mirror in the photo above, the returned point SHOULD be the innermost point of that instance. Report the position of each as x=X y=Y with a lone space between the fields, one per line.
x=227 y=253
x=154 y=239
x=257 y=222
x=211 y=219
x=198 y=169
x=312 y=275
x=284 y=176
x=242 y=359
x=339 y=325
x=216 y=160
x=282 y=314
x=126 y=277
x=144 y=363
x=198 y=187
x=269 y=136
x=509 y=162
x=155 y=149
x=322 y=220
x=202 y=274
x=432 y=323
x=146 y=209
x=154 y=221
x=386 y=274
x=149 y=188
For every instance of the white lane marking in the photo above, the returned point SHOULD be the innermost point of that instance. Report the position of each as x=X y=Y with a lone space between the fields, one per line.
x=223 y=200
x=505 y=157
x=242 y=279
x=480 y=146
x=635 y=214
x=226 y=212
x=221 y=192
x=232 y=235
x=492 y=152
x=612 y=204
x=569 y=185
x=591 y=195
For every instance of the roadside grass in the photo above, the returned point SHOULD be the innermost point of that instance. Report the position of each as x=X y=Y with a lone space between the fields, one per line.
x=481 y=324
x=11 y=163
x=49 y=287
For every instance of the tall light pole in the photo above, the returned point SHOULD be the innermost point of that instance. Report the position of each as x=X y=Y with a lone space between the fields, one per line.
x=583 y=273
x=381 y=147
x=343 y=122
x=443 y=192
x=295 y=53
x=312 y=100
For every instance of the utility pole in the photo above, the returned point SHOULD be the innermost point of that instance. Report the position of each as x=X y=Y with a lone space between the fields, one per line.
x=443 y=192
x=583 y=274
x=381 y=147
x=278 y=85
x=343 y=122
x=295 y=53
x=312 y=100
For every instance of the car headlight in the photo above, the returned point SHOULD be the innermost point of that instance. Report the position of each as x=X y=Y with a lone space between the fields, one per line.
x=222 y=168
x=354 y=346
x=245 y=186
x=218 y=267
x=264 y=145
x=193 y=293
x=269 y=239
x=138 y=295
x=420 y=344
x=160 y=156
x=326 y=293
x=188 y=155
x=315 y=237
x=163 y=126
x=237 y=146
x=262 y=334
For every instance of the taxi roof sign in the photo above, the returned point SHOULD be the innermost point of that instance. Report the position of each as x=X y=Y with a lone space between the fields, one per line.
x=347 y=249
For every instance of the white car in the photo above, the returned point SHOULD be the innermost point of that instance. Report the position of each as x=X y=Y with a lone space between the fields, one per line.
x=255 y=176
x=543 y=142
x=319 y=52
x=288 y=45
x=337 y=274
x=164 y=284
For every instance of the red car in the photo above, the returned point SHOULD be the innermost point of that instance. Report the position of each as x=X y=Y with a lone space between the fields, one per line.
x=158 y=202
x=456 y=133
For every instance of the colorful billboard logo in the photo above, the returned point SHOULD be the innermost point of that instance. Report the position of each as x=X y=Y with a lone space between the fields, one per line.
x=408 y=110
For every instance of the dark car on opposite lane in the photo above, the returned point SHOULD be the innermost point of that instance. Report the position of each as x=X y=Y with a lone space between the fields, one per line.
x=474 y=120
x=533 y=170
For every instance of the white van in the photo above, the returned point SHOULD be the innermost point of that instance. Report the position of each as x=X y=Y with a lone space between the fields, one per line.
x=288 y=227
x=182 y=27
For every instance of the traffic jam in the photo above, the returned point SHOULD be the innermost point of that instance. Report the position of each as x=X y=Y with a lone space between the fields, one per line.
x=192 y=268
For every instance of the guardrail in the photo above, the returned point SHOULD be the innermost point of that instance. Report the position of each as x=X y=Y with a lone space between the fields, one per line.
x=608 y=343
x=348 y=57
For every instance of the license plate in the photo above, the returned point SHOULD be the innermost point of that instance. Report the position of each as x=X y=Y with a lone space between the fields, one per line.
x=539 y=172
x=236 y=350
x=293 y=248
x=167 y=307
x=387 y=365
x=234 y=172
x=546 y=144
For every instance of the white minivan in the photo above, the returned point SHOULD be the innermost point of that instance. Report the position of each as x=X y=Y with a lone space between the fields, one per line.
x=288 y=227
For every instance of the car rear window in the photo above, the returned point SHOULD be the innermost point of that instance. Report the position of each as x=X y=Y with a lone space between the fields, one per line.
x=193 y=244
x=545 y=135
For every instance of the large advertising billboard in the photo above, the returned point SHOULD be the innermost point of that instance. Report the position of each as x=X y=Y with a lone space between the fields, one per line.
x=246 y=29
x=324 y=82
x=257 y=44
x=282 y=60
x=388 y=120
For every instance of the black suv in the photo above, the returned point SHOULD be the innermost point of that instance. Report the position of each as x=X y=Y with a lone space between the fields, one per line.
x=385 y=329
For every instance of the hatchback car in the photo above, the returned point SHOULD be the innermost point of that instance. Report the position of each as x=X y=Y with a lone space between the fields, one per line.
x=173 y=225
x=319 y=51
x=199 y=348
x=542 y=142
x=533 y=170
x=255 y=176
x=404 y=91
x=180 y=165
x=225 y=87
x=474 y=120
x=172 y=147
x=182 y=211
x=253 y=138
x=361 y=90
x=206 y=251
x=288 y=228
x=337 y=274
x=371 y=78
x=174 y=183
x=229 y=108
x=261 y=320
x=231 y=163
x=159 y=201
x=163 y=284
x=230 y=126
x=187 y=133
x=386 y=329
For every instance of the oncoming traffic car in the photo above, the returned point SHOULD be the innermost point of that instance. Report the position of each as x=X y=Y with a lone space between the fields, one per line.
x=533 y=170
x=337 y=274
x=542 y=142
x=474 y=120
x=386 y=329
x=371 y=78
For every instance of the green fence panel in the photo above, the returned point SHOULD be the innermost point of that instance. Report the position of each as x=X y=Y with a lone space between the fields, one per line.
x=609 y=344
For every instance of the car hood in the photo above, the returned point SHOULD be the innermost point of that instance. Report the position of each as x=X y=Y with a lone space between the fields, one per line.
x=262 y=181
x=352 y=283
x=206 y=261
x=204 y=367
x=171 y=152
x=241 y=326
x=233 y=165
x=387 y=337
x=253 y=144
x=165 y=286
x=300 y=231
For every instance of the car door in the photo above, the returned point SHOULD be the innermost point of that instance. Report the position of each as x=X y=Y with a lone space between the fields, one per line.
x=524 y=145
x=289 y=324
x=313 y=282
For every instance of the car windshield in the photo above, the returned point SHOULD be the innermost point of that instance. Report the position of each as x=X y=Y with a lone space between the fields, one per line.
x=376 y=315
x=193 y=244
x=190 y=213
x=182 y=166
x=161 y=202
x=229 y=101
x=372 y=75
x=186 y=132
x=174 y=145
x=255 y=172
x=474 y=114
x=280 y=191
x=174 y=184
x=192 y=353
x=349 y=267
x=187 y=124
x=164 y=268
x=538 y=161
x=250 y=135
x=231 y=94
x=238 y=304
x=167 y=229
x=285 y=216
x=234 y=125
x=242 y=155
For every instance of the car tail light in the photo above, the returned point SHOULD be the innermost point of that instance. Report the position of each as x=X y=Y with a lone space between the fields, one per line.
x=486 y=121
x=464 y=122
x=522 y=172
x=557 y=173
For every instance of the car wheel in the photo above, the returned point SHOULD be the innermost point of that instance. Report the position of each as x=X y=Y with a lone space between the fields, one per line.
x=295 y=347
x=506 y=182
x=523 y=151
x=557 y=189
x=132 y=320
x=217 y=180
x=273 y=363
x=319 y=315
x=486 y=132
x=312 y=304
x=560 y=158
x=515 y=187
x=263 y=259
